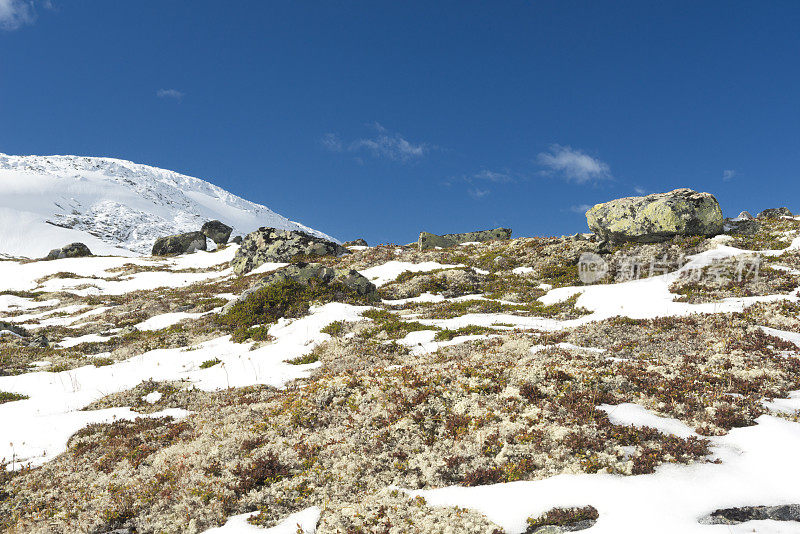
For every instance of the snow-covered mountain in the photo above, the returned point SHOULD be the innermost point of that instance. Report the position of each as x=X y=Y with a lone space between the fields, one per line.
x=114 y=206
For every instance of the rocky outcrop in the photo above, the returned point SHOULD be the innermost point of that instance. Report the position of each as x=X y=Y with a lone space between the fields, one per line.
x=656 y=218
x=217 y=231
x=355 y=243
x=237 y=240
x=179 y=244
x=307 y=273
x=734 y=516
x=744 y=216
x=272 y=245
x=428 y=240
x=73 y=250
x=774 y=213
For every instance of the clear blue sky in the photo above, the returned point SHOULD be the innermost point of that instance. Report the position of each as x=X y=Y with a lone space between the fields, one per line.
x=380 y=119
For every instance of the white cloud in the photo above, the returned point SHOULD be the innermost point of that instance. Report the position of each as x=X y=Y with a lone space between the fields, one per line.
x=174 y=94
x=639 y=190
x=332 y=142
x=477 y=193
x=580 y=208
x=492 y=176
x=573 y=165
x=16 y=13
x=728 y=175
x=383 y=144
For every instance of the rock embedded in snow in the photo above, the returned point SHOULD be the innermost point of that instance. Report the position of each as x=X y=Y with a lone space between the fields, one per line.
x=217 y=231
x=172 y=245
x=237 y=240
x=355 y=243
x=774 y=213
x=73 y=250
x=658 y=217
x=428 y=240
x=734 y=516
x=270 y=245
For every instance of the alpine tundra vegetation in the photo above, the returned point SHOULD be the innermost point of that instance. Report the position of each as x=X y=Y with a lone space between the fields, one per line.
x=485 y=386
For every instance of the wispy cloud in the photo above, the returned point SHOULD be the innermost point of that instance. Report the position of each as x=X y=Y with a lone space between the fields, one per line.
x=16 y=13
x=172 y=94
x=492 y=176
x=728 y=175
x=580 y=208
x=476 y=193
x=383 y=144
x=573 y=165
x=639 y=190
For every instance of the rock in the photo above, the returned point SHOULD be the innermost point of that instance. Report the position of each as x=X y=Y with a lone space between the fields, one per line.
x=217 y=231
x=237 y=240
x=14 y=329
x=428 y=240
x=774 y=213
x=39 y=341
x=448 y=283
x=739 y=226
x=744 y=216
x=272 y=245
x=733 y=516
x=355 y=243
x=304 y=273
x=73 y=250
x=658 y=217
x=179 y=244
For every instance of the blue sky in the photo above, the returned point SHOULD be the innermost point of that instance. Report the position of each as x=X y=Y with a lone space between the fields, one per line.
x=379 y=119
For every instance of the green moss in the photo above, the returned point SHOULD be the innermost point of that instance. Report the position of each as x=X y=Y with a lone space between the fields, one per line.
x=392 y=325
x=210 y=363
x=5 y=396
x=305 y=359
x=562 y=517
x=284 y=299
x=336 y=328
x=447 y=335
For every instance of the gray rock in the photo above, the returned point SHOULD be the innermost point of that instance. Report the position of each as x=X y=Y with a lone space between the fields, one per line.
x=745 y=216
x=40 y=341
x=741 y=226
x=217 y=232
x=73 y=250
x=734 y=516
x=237 y=240
x=774 y=213
x=179 y=244
x=14 y=329
x=355 y=243
x=272 y=245
x=560 y=529
x=304 y=273
x=428 y=240
x=656 y=218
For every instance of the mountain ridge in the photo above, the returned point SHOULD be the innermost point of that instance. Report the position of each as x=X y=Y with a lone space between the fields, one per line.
x=115 y=206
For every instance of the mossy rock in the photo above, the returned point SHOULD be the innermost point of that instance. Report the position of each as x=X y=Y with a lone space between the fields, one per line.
x=656 y=218
x=172 y=245
x=280 y=246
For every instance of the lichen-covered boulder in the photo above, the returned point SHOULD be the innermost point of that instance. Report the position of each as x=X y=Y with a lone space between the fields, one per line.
x=307 y=273
x=774 y=213
x=273 y=245
x=179 y=244
x=658 y=217
x=73 y=250
x=217 y=231
x=428 y=240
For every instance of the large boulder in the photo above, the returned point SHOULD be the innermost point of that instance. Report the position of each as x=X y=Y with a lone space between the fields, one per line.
x=273 y=245
x=217 y=231
x=73 y=250
x=774 y=213
x=306 y=273
x=179 y=244
x=658 y=217
x=428 y=240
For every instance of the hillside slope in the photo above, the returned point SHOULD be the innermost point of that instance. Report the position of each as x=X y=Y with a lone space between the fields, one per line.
x=114 y=206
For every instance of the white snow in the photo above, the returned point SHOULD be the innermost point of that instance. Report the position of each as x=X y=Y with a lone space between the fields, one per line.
x=152 y=397
x=157 y=322
x=36 y=429
x=383 y=274
x=306 y=520
x=113 y=206
x=757 y=468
